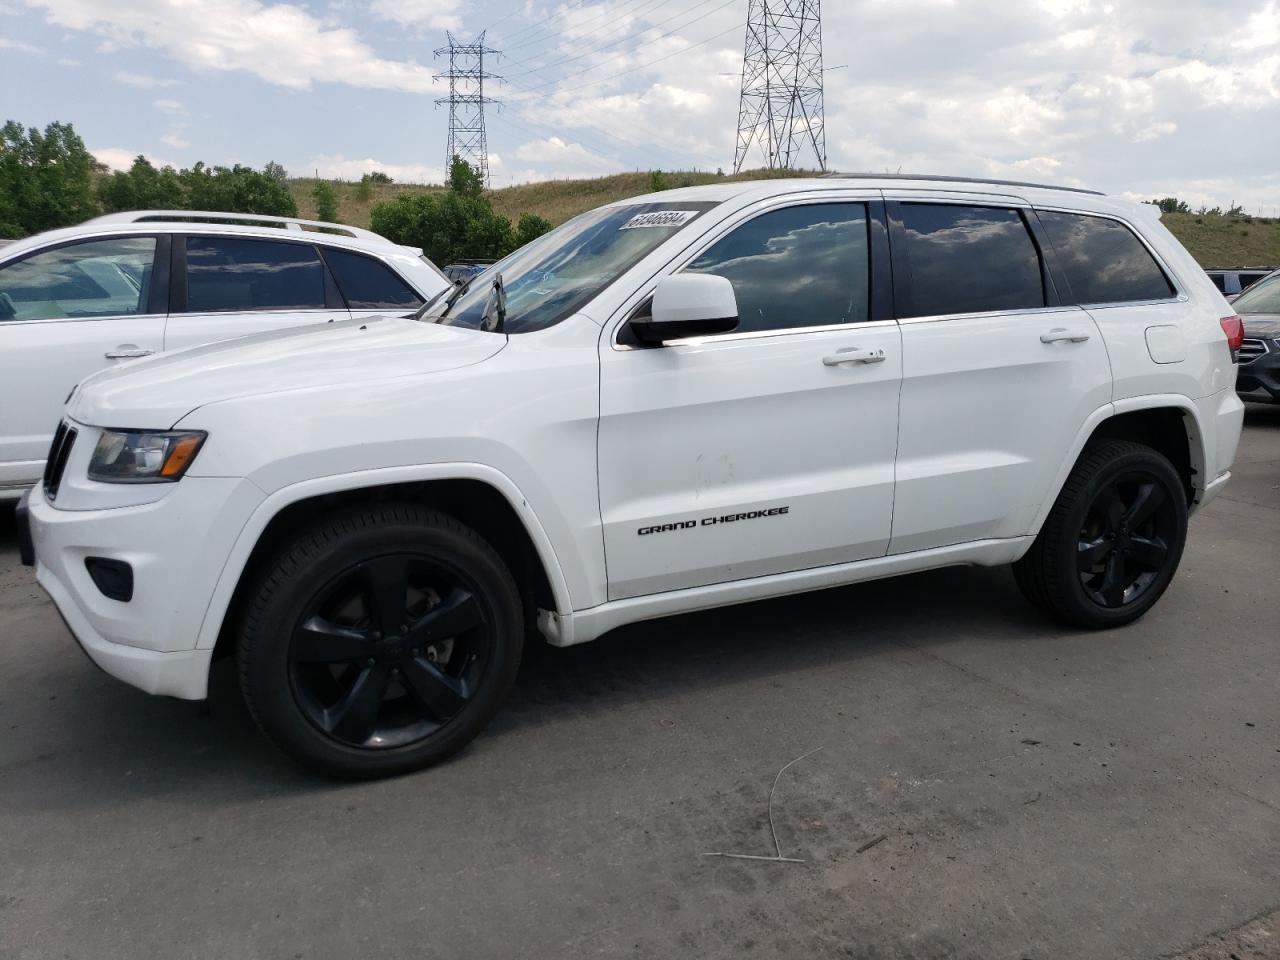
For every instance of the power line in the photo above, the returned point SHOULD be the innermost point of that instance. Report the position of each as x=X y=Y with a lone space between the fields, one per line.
x=780 y=106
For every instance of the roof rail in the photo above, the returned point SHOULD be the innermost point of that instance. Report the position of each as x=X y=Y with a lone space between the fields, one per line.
x=212 y=216
x=945 y=179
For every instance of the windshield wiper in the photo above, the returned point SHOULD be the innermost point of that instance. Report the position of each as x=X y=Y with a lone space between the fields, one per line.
x=422 y=310
x=495 y=308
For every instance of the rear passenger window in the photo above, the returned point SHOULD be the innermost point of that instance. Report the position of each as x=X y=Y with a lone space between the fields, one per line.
x=970 y=260
x=802 y=266
x=1103 y=261
x=230 y=273
x=368 y=284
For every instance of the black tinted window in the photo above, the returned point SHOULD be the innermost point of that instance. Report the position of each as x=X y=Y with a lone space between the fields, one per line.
x=799 y=267
x=369 y=285
x=1219 y=281
x=969 y=260
x=1103 y=260
x=227 y=273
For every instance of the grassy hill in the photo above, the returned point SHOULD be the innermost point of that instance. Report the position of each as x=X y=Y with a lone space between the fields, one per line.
x=1215 y=241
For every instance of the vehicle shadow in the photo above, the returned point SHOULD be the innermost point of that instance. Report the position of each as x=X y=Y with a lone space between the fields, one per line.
x=1266 y=415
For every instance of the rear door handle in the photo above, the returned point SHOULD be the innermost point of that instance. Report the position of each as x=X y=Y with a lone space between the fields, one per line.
x=127 y=352
x=853 y=355
x=1062 y=333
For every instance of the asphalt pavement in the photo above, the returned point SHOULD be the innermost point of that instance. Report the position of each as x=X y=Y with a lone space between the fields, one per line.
x=985 y=784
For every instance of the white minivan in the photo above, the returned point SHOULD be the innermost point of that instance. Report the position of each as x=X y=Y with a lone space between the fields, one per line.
x=129 y=285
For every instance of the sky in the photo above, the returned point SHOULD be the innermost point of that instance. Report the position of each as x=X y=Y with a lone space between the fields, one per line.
x=1143 y=98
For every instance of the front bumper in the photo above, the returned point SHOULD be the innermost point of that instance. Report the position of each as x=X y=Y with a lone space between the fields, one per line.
x=176 y=546
x=1259 y=379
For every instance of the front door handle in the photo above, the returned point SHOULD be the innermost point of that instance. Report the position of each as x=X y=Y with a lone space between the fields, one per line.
x=1062 y=333
x=127 y=351
x=853 y=355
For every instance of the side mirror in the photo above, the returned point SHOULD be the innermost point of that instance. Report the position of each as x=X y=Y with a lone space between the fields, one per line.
x=688 y=305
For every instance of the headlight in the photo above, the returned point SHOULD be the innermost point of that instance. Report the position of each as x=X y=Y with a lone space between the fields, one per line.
x=144 y=456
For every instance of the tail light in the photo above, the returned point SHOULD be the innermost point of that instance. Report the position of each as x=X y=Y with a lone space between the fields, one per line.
x=1233 y=327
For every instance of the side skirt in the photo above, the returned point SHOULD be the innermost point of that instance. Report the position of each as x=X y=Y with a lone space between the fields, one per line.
x=583 y=625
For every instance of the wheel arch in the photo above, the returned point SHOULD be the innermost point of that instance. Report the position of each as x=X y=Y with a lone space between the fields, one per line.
x=477 y=495
x=1168 y=423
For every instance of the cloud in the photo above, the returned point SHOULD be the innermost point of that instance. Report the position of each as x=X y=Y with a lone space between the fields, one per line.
x=564 y=155
x=280 y=43
x=176 y=140
x=119 y=158
x=143 y=81
x=170 y=106
x=338 y=167
x=6 y=44
x=436 y=14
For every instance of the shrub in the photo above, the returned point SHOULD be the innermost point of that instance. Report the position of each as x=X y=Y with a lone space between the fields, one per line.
x=530 y=227
x=448 y=226
x=326 y=201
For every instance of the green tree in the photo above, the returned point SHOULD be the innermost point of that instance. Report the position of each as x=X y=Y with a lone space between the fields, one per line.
x=326 y=201
x=236 y=189
x=1172 y=205
x=364 y=189
x=376 y=176
x=277 y=172
x=464 y=178
x=44 y=178
x=449 y=226
x=657 y=181
x=142 y=187
x=530 y=227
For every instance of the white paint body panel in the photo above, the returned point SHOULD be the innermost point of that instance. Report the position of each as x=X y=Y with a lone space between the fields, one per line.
x=950 y=450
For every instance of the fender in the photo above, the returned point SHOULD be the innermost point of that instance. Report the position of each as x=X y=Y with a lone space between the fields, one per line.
x=1195 y=442
x=263 y=514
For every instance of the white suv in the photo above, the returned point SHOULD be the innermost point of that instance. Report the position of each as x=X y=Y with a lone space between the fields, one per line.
x=132 y=284
x=689 y=399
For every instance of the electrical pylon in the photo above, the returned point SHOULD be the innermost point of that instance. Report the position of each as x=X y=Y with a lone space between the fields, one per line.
x=466 y=100
x=780 y=108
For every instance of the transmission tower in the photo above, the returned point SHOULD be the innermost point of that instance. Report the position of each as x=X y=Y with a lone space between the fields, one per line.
x=466 y=100
x=780 y=109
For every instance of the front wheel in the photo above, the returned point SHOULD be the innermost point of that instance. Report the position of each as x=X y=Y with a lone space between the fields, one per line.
x=1112 y=541
x=380 y=641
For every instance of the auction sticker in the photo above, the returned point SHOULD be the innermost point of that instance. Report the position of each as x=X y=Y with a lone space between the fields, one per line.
x=660 y=218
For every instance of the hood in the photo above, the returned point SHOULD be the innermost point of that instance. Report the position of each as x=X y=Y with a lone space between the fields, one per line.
x=158 y=392
x=1262 y=325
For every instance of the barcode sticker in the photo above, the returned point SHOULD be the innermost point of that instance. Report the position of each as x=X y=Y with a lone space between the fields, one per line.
x=660 y=218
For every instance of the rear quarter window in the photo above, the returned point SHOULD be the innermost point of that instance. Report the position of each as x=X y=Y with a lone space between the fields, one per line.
x=1103 y=260
x=369 y=284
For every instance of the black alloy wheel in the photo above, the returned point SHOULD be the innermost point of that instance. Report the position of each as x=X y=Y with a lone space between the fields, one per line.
x=1124 y=544
x=380 y=640
x=1113 y=538
x=389 y=651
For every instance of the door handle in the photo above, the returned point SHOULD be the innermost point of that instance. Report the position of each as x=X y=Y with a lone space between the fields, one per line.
x=1062 y=333
x=127 y=352
x=853 y=355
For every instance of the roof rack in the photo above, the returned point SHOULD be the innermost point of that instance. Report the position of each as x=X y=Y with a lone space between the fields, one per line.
x=944 y=179
x=212 y=216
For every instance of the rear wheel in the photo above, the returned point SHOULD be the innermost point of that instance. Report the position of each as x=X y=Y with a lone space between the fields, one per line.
x=380 y=641
x=1112 y=541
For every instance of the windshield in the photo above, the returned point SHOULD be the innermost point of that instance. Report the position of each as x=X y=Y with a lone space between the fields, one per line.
x=555 y=275
x=1262 y=297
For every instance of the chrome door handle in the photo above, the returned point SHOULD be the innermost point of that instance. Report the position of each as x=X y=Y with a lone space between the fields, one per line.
x=127 y=353
x=853 y=355
x=1062 y=333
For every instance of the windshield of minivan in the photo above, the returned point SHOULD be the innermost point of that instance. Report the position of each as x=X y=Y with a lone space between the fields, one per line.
x=555 y=275
x=1262 y=297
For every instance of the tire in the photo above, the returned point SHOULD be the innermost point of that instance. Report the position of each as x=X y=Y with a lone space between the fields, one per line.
x=1111 y=544
x=331 y=677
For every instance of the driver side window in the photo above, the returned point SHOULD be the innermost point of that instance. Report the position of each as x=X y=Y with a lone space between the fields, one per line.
x=96 y=278
x=803 y=266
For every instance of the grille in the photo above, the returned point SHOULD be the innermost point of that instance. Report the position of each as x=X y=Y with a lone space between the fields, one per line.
x=63 y=440
x=1251 y=349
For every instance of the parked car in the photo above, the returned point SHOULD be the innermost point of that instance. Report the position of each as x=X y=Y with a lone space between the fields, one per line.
x=1233 y=280
x=1259 y=374
x=694 y=398
x=462 y=272
x=131 y=284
